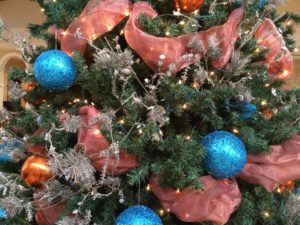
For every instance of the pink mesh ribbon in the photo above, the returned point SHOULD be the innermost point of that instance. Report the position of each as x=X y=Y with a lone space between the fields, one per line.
x=274 y=169
x=278 y=57
x=97 y=18
x=216 y=203
x=47 y=214
x=95 y=143
x=150 y=48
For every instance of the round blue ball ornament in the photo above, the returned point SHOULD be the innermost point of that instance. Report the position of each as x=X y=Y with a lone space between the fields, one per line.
x=55 y=70
x=225 y=154
x=2 y=213
x=138 y=215
x=247 y=110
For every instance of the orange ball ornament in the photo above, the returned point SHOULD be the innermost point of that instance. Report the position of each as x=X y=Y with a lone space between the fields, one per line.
x=35 y=171
x=29 y=86
x=267 y=114
x=188 y=5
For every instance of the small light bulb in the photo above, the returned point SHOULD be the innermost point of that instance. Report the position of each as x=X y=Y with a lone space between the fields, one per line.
x=184 y=106
x=167 y=33
x=182 y=22
x=196 y=12
x=289 y=23
x=161 y=212
x=141 y=131
x=42 y=10
x=267 y=85
x=97 y=132
x=148 y=188
x=188 y=138
x=264 y=102
x=235 y=130
x=179 y=82
x=177 y=191
x=126 y=13
x=63 y=111
x=257 y=50
x=122 y=122
x=212 y=73
x=121 y=32
x=266 y=214
x=285 y=73
x=296 y=50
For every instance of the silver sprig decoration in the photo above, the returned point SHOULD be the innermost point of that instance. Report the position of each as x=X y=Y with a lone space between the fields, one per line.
x=213 y=51
x=4 y=115
x=75 y=167
x=15 y=92
x=25 y=47
x=76 y=220
x=293 y=209
x=71 y=123
x=157 y=114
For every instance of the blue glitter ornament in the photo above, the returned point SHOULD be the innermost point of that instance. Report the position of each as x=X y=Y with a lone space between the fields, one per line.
x=55 y=70
x=225 y=154
x=247 y=110
x=7 y=148
x=138 y=215
x=2 y=214
x=261 y=4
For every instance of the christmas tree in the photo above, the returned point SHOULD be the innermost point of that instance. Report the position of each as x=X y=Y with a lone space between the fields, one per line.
x=153 y=112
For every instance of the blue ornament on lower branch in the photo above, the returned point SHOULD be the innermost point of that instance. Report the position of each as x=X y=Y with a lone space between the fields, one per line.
x=225 y=154
x=2 y=214
x=7 y=149
x=138 y=215
x=55 y=70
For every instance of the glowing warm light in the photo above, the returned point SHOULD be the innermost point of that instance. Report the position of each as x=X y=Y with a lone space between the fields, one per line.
x=121 y=32
x=267 y=85
x=167 y=33
x=285 y=73
x=54 y=0
x=94 y=36
x=278 y=190
x=168 y=210
x=161 y=212
x=148 y=188
x=76 y=100
x=126 y=13
x=187 y=215
x=64 y=33
x=85 y=101
x=235 y=130
x=161 y=133
x=264 y=102
x=42 y=10
x=182 y=22
x=92 y=103
x=212 y=73
x=179 y=82
x=289 y=23
x=196 y=12
x=257 y=50
x=266 y=214
x=184 y=106
x=188 y=138
x=63 y=111
x=122 y=122
x=140 y=131
x=97 y=132
x=296 y=50
x=177 y=191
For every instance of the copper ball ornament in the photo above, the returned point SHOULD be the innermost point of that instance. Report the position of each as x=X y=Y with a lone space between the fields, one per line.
x=188 y=5
x=35 y=171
